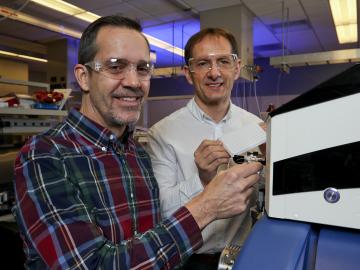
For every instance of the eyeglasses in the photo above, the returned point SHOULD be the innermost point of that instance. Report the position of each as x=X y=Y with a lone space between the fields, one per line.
x=205 y=64
x=117 y=68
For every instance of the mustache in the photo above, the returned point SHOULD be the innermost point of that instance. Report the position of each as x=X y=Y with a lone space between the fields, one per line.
x=129 y=90
x=217 y=80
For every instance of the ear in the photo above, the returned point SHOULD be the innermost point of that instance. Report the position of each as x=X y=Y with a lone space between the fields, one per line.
x=82 y=77
x=188 y=74
x=237 y=69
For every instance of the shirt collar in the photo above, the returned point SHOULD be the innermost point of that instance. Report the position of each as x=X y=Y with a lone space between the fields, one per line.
x=95 y=133
x=199 y=114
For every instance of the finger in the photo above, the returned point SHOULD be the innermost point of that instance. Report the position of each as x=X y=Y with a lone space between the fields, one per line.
x=249 y=181
x=263 y=126
x=203 y=150
x=216 y=153
x=247 y=169
x=210 y=154
x=206 y=143
x=209 y=149
x=216 y=163
x=262 y=148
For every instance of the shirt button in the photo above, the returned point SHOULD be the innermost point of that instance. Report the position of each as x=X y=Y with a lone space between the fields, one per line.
x=112 y=137
x=103 y=148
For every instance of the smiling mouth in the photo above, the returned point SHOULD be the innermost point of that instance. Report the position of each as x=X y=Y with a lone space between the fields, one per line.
x=214 y=85
x=129 y=100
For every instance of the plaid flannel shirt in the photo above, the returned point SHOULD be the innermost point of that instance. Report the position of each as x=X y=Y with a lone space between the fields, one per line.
x=88 y=200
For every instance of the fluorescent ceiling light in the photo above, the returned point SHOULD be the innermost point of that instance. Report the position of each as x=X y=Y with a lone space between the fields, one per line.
x=344 y=13
x=23 y=56
x=82 y=14
x=69 y=9
x=22 y=17
x=164 y=45
x=347 y=33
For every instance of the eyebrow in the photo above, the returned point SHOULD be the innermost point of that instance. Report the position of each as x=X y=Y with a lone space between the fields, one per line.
x=212 y=54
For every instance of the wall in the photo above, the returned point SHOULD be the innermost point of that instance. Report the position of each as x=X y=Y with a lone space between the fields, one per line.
x=37 y=76
x=14 y=70
x=72 y=60
x=57 y=65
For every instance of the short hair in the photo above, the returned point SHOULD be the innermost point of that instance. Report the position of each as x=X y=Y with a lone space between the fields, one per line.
x=88 y=47
x=216 y=32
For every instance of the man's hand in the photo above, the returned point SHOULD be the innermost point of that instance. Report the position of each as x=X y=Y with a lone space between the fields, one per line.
x=226 y=195
x=208 y=157
x=263 y=125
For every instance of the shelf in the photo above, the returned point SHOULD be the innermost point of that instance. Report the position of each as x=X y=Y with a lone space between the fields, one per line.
x=26 y=83
x=22 y=130
x=40 y=114
x=22 y=111
x=7 y=218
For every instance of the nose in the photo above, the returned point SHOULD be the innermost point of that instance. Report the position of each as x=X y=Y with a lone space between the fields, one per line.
x=131 y=77
x=214 y=70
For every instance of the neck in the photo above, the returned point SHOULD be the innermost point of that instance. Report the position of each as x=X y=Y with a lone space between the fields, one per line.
x=216 y=111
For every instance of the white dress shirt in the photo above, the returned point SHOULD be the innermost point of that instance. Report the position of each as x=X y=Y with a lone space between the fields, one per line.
x=172 y=143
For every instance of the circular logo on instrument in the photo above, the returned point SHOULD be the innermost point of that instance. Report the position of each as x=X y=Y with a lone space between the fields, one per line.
x=331 y=195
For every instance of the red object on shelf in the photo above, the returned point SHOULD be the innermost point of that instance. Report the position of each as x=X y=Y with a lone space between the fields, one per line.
x=48 y=97
x=14 y=102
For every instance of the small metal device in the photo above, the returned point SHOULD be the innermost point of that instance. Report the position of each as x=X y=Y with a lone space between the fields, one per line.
x=228 y=257
x=249 y=157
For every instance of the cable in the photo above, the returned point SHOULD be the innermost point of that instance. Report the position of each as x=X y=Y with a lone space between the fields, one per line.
x=244 y=95
x=248 y=99
x=278 y=89
x=256 y=99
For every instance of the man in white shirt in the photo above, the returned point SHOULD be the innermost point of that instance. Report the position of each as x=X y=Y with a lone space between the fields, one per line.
x=186 y=148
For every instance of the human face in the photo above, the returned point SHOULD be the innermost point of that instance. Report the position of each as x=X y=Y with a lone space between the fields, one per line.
x=114 y=103
x=213 y=87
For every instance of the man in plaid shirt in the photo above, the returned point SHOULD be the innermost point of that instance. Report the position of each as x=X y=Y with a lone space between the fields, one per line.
x=85 y=190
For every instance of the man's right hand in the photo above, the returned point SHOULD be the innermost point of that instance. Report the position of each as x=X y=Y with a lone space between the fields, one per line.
x=208 y=157
x=226 y=195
